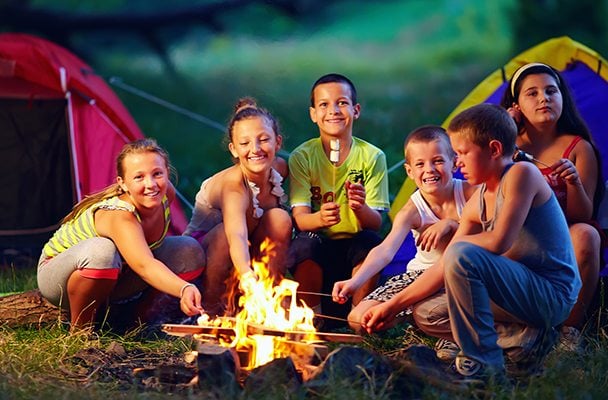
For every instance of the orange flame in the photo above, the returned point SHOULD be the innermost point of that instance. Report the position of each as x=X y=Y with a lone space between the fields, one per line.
x=267 y=305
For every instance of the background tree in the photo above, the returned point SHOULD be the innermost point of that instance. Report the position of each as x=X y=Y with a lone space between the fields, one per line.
x=539 y=20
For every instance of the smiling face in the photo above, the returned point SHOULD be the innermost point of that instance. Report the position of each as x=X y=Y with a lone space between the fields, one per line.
x=254 y=143
x=540 y=100
x=145 y=179
x=334 y=111
x=429 y=164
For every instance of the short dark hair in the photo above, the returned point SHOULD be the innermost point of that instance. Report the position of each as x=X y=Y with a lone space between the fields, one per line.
x=485 y=122
x=427 y=134
x=331 y=78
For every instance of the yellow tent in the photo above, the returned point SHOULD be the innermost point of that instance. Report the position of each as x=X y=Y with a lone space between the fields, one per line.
x=565 y=55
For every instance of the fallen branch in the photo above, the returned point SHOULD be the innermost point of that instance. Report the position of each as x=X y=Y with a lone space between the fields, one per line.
x=28 y=309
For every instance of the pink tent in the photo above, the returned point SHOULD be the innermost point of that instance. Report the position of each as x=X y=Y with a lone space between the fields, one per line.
x=61 y=128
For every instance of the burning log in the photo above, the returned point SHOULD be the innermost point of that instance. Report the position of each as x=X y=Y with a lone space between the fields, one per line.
x=256 y=329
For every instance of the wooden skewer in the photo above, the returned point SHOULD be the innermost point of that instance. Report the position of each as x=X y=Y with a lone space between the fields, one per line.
x=313 y=293
x=522 y=154
x=334 y=157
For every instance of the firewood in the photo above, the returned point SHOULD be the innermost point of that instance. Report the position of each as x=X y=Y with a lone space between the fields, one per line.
x=28 y=309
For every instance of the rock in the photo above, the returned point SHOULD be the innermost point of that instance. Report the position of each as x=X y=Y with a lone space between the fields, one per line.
x=277 y=379
x=353 y=366
x=218 y=368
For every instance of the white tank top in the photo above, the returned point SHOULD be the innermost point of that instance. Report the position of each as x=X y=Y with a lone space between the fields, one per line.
x=424 y=259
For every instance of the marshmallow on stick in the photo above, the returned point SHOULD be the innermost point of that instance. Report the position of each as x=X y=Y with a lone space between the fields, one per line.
x=334 y=157
x=334 y=154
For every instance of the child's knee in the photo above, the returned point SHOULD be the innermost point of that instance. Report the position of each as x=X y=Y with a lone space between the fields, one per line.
x=586 y=242
x=183 y=254
x=461 y=257
x=432 y=316
x=192 y=251
x=355 y=317
x=278 y=224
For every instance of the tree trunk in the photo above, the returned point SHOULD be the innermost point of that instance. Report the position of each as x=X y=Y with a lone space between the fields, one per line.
x=28 y=309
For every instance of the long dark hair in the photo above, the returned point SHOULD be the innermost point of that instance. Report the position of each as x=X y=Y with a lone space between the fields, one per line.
x=569 y=122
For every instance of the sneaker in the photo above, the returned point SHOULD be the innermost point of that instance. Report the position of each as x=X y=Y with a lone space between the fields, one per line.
x=446 y=350
x=530 y=363
x=569 y=339
x=469 y=372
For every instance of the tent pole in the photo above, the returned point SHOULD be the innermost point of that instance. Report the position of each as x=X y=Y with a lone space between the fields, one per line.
x=73 y=152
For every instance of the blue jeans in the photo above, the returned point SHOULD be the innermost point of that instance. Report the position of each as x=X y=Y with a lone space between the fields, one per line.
x=482 y=290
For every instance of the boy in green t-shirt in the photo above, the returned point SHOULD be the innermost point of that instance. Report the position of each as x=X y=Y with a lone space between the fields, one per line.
x=338 y=191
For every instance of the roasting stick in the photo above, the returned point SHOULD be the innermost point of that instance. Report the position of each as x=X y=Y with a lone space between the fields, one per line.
x=314 y=293
x=337 y=318
x=323 y=315
x=334 y=157
x=520 y=154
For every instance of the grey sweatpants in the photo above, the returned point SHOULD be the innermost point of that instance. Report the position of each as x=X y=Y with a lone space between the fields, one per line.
x=182 y=254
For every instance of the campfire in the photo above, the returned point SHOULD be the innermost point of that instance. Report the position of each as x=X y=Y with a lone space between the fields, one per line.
x=265 y=310
x=271 y=323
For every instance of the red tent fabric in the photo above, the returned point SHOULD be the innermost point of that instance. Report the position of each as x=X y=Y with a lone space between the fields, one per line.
x=39 y=79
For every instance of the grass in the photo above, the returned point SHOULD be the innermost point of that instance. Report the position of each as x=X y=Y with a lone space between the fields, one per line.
x=49 y=363
x=17 y=279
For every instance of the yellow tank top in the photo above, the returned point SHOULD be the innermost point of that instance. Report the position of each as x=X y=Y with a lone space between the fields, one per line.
x=83 y=226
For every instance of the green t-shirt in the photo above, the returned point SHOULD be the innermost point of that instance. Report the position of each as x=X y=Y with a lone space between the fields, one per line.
x=311 y=177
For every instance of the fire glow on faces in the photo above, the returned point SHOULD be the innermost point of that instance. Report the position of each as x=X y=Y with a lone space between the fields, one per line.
x=469 y=157
x=334 y=111
x=254 y=143
x=429 y=164
x=146 y=179
x=540 y=100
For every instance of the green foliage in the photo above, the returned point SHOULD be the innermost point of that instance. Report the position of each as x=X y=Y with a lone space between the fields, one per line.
x=582 y=20
x=410 y=69
x=113 y=6
x=17 y=278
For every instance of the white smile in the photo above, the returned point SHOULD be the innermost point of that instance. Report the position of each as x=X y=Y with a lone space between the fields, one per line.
x=257 y=158
x=431 y=180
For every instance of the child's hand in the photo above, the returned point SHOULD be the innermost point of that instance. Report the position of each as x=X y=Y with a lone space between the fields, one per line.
x=434 y=235
x=190 y=302
x=355 y=192
x=377 y=317
x=567 y=170
x=330 y=214
x=342 y=291
x=247 y=282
